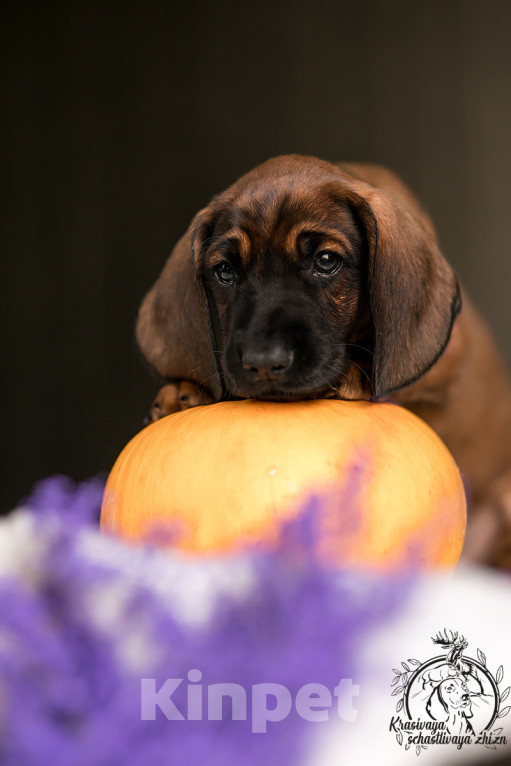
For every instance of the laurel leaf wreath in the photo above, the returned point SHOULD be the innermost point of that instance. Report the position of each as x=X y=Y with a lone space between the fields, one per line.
x=505 y=694
x=401 y=678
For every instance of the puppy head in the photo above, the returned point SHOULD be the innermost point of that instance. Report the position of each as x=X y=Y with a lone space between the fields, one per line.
x=282 y=263
x=307 y=281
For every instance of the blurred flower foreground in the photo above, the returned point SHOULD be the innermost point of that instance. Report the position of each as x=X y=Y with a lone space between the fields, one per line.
x=84 y=618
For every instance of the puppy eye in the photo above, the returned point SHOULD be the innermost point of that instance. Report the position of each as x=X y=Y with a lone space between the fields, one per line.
x=225 y=273
x=326 y=262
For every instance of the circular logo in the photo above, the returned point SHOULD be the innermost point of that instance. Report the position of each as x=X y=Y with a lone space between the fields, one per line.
x=465 y=698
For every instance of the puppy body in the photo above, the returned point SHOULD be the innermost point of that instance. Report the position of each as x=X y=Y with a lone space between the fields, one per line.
x=307 y=279
x=466 y=399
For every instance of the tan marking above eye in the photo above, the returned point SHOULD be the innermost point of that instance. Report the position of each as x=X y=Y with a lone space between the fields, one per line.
x=331 y=239
x=237 y=240
x=215 y=259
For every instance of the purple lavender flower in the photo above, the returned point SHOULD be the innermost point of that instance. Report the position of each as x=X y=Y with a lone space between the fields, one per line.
x=70 y=697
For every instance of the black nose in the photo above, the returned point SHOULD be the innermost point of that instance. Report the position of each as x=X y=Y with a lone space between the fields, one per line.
x=267 y=364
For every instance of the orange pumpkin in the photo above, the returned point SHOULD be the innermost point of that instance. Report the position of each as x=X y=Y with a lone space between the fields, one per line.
x=231 y=473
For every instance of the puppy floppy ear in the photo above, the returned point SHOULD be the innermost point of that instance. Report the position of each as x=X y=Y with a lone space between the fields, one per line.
x=174 y=329
x=414 y=295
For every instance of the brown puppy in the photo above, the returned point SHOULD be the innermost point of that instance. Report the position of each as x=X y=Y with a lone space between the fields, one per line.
x=308 y=279
x=175 y=397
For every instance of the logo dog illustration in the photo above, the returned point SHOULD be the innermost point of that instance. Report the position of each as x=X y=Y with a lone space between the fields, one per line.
x=449 y=698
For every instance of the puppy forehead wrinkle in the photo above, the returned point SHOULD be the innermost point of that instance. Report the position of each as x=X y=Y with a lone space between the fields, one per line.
x=328 y=234
x=235 y=240
x=288 y=218
x=263 y=218
x=272 y=199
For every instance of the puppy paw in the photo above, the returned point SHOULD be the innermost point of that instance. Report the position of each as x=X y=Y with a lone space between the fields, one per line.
x=175 y=397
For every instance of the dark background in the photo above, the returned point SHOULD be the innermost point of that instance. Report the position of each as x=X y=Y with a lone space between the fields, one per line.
x=120 y=120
